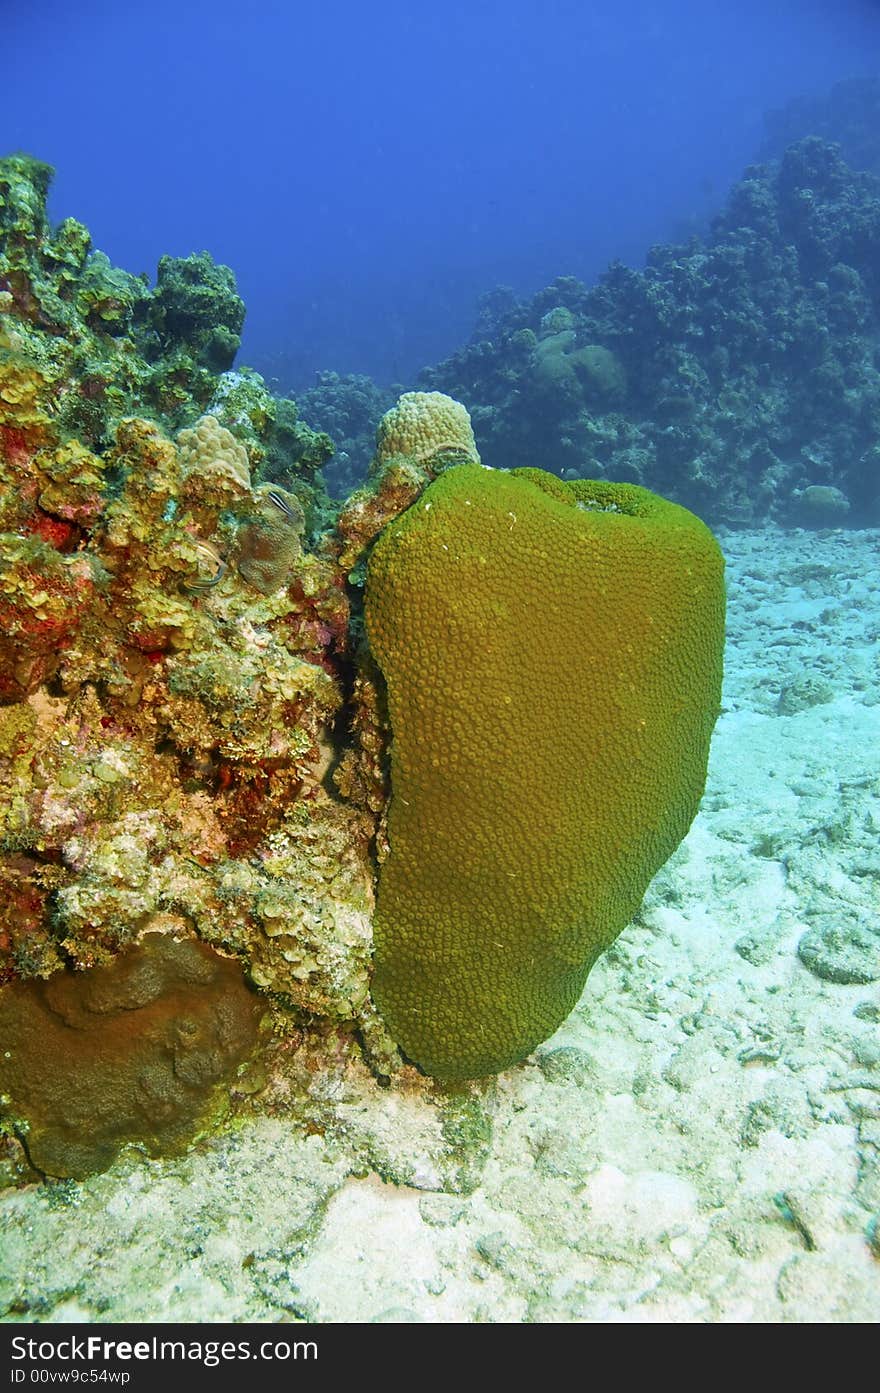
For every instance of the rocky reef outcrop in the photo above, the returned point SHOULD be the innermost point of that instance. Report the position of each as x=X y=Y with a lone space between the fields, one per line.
x=175 y=655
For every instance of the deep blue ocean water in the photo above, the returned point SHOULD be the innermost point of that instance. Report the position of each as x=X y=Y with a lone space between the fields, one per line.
x=369 y=171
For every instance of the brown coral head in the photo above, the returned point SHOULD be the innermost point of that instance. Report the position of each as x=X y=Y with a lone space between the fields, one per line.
x=270 y=543
x=130 y=1053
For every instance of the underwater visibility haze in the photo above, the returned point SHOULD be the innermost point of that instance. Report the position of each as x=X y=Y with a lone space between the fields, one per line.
x=439 y=579
x=369 y=171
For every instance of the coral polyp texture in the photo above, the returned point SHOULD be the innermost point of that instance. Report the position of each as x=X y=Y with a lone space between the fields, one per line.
x=423 y=433
x=553 y=659
x=423 y=425
x=271 y=542
x=210 y=449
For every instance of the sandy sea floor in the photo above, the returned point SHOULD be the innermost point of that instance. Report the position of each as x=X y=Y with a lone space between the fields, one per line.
x=699 y=1142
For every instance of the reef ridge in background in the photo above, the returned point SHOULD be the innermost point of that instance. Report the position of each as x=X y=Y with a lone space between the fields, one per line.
x=736 y=374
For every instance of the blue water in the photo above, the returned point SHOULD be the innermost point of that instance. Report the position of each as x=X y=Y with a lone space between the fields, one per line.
x=369 y=171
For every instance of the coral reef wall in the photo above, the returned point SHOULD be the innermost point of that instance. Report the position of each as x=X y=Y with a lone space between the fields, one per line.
x=193 y=734
x=108 y=346
x=173 y=649
x=739 y=377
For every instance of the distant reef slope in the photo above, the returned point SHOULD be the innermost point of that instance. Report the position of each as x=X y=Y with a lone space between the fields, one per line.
x=848 y=114
x=739 y=376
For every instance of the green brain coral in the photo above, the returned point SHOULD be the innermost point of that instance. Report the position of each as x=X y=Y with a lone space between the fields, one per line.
x=552 y=653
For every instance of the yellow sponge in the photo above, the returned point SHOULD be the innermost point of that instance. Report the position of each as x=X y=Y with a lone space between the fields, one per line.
x=552 y=653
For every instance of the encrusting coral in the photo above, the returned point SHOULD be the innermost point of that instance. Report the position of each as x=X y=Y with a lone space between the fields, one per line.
x=105 y=346
x=188 y=710
x=270 y=543
x=129 y=1052
x=172 y=660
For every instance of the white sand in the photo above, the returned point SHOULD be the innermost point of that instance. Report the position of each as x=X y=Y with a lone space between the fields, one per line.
x=699 y=1142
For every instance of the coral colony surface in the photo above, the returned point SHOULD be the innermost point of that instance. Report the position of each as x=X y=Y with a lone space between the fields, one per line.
x=315 y=814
